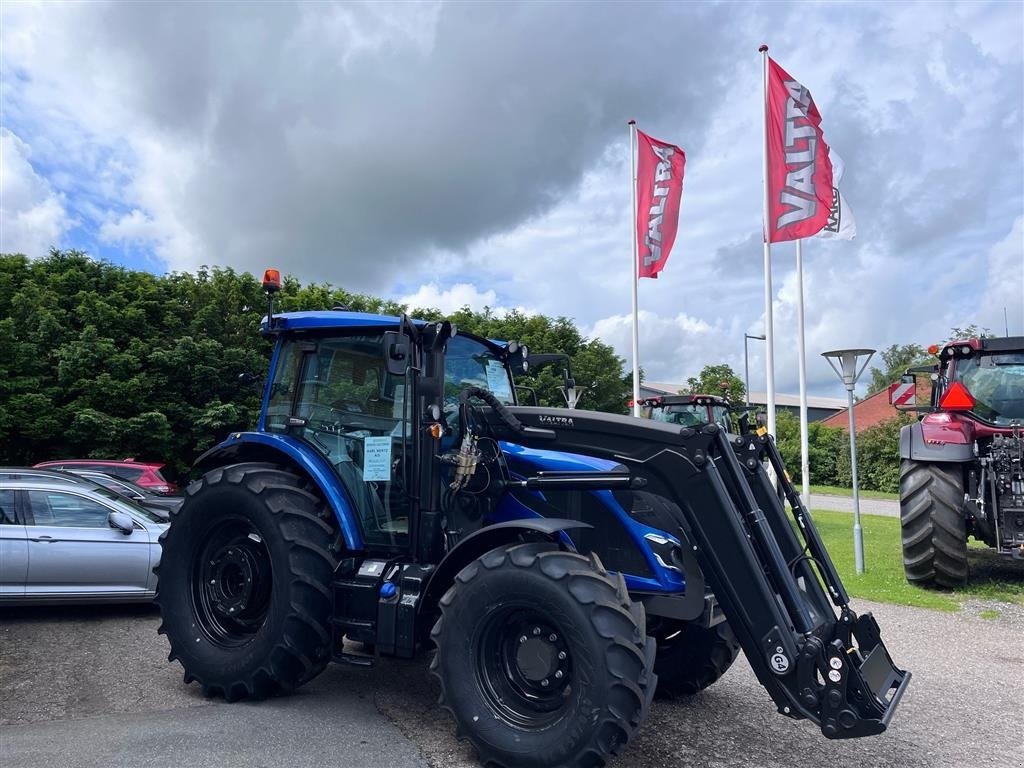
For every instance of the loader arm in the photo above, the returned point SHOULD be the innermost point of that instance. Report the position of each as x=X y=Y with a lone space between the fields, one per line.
x=774 y=581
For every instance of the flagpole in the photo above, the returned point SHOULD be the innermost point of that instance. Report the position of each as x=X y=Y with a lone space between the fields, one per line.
x=805 y=471
x=769 y=334
x=636 y=271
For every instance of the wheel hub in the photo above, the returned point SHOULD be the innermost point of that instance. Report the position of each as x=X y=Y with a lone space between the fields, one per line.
x=231 y=580
x=525 y=667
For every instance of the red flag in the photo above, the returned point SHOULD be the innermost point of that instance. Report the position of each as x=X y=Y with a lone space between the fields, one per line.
x=799 y=170
x=659 y=187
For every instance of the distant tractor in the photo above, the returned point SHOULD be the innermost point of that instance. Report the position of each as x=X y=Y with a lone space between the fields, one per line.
x=962 y=464
x=692 y=411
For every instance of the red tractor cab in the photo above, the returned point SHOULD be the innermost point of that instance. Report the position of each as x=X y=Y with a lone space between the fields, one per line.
x=962 y=463
x=690 y=410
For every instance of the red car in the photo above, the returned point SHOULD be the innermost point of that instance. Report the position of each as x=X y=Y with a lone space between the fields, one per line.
x=138 y=472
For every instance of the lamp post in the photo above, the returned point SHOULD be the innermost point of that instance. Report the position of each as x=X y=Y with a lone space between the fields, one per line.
x=848 y=370
x=746 y=365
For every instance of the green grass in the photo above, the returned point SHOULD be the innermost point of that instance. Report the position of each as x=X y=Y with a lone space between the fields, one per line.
x=835 y=490
x=992 y=577
x=990 y=615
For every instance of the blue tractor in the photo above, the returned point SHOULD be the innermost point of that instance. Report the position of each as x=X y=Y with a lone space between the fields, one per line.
x=565 y=565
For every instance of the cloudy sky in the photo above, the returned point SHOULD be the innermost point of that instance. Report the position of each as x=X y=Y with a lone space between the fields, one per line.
x=451 y=154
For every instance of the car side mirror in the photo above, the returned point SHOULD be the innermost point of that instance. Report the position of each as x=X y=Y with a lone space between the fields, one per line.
x=119 y=521
x=396 y=352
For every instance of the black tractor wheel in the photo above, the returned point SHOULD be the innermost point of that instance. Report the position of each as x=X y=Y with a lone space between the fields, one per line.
x=933 y=523
x=691 y=657
x=542 y=658
x=244 y=582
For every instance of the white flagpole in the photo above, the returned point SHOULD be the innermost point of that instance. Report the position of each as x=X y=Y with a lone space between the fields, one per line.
x=805 y=471
x=769 y=335
x=636 y=271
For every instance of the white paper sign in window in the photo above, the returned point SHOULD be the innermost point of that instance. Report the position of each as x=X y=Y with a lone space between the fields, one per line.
x=377 y=459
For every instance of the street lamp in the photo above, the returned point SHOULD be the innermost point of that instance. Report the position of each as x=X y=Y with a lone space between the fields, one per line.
x=848 y=371
x=746 y=365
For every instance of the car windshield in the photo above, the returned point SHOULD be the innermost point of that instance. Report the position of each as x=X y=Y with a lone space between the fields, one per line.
x=996 y=382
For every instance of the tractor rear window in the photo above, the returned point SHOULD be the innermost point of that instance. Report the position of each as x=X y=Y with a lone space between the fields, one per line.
x=997 y=384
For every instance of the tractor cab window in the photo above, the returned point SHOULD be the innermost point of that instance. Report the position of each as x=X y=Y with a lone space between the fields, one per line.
x=337 y=395
x=996 y=382
x=684 y=415
x=471 y=363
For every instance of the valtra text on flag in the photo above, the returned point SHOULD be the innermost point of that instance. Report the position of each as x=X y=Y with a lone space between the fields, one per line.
x=799 y=170
x=659 y=188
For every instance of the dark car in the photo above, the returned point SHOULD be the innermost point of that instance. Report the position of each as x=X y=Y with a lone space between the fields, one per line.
x=130 y=490
x=141 y=473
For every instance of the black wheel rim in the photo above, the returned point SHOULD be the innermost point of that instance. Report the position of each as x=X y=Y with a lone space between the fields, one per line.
x=231 y=580
x=524 y=667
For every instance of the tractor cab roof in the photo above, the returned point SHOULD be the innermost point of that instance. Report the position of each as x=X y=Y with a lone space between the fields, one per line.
x=329 y=319
x=967 y=347
x=694 y=399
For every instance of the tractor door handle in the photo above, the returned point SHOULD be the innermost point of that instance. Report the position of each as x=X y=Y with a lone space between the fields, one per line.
x=47 y=539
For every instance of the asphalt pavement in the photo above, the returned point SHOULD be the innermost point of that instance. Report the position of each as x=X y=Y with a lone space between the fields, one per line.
x=91 y=686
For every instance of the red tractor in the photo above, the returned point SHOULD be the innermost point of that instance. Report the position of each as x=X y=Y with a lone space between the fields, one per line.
x=962 y=463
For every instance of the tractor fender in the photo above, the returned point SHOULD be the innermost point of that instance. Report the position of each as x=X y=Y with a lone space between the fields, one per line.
x=483 y=541
x=286 y=450
x=913 y=446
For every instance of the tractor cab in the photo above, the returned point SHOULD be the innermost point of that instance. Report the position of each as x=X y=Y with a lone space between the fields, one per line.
x=690 y=410
x=968 y=444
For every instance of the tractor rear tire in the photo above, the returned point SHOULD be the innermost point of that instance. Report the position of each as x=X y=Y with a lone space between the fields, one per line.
x=691 y=657
x=244 y=584
x=542 y=658
x=933 y=523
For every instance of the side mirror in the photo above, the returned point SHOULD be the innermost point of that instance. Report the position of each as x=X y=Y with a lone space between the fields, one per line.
x=396 y=352
x=119 y=521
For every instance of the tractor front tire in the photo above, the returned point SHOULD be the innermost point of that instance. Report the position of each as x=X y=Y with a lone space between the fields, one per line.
x=244 y=584
x=542 y=658
x=691 y=657
x=933 y=524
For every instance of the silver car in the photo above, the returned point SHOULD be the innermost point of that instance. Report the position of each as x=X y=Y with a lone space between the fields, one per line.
x=65 y=542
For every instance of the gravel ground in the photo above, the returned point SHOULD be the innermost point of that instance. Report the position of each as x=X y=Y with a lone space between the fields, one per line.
x=883 y=507
x=963 y=707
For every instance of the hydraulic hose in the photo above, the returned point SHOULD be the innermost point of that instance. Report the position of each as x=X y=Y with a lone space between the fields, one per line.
x=488 y=397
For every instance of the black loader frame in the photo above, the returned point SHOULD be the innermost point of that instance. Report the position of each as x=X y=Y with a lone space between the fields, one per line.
x=831 y=669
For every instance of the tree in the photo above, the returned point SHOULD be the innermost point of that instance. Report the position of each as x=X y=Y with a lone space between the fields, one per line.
x=897 y=359
x=104 y=362
x=971 y=331
x=717 y=380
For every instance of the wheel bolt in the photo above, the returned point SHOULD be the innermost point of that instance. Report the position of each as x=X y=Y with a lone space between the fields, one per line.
x=558 y=675
x=545 y=683
x=536 y=630
x=561 y=655
x=552 y=637
x=213 y=581
x=522 y=639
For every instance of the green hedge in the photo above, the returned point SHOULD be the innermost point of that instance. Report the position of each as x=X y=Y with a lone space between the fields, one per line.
x=878 y=461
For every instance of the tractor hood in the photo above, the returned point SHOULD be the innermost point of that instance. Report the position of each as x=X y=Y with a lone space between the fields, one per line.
x=539 y=460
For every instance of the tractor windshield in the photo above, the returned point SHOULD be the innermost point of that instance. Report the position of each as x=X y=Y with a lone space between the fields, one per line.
x=996 y=381
x=471 y=363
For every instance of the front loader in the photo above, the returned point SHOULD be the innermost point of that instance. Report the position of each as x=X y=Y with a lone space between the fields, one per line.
x=563 y=565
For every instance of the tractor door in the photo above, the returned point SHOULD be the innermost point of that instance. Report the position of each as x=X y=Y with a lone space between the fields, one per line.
x=336 y=394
